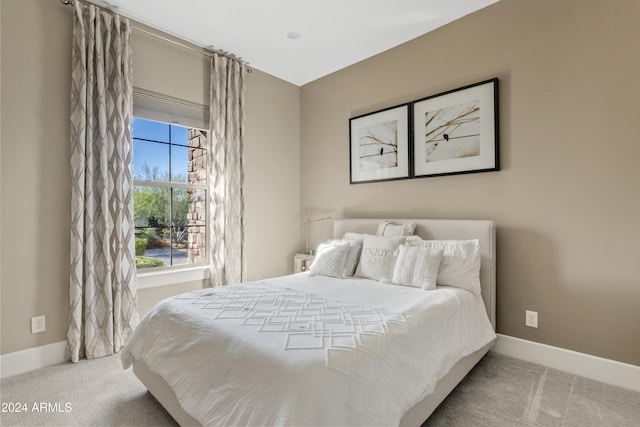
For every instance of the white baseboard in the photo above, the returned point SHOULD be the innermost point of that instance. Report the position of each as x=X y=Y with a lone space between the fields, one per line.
x=596 y=368
x=32 y=358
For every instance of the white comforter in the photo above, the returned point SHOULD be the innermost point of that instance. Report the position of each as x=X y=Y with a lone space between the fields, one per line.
x=300 y=350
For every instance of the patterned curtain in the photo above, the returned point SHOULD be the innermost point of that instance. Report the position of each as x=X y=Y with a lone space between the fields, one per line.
x=226 y=171
x=103 y=271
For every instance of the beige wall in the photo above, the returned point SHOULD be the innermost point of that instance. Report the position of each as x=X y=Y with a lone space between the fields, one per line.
x=273 y=175
x=566 y=201
x=35 y=178
x=35 y=182
x=0 y=175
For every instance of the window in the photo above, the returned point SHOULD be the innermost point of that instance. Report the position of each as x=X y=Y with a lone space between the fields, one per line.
x=170 y=194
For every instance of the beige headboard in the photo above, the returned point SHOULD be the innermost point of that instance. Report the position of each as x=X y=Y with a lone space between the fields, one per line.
x=444 y=229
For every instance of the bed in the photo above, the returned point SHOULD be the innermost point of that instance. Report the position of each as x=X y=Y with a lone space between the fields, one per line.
x=335 y=375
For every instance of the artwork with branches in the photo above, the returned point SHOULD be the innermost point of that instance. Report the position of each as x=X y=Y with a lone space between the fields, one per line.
x=452 y=132
x=380 y=145
x=456 y=132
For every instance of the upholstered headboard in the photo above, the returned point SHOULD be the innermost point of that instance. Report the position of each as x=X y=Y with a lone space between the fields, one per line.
x=444 y=229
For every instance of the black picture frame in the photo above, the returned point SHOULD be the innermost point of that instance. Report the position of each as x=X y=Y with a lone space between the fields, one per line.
x=456 y=132
x=379 y=148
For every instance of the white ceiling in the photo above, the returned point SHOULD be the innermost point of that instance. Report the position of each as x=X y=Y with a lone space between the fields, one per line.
x=334 y=33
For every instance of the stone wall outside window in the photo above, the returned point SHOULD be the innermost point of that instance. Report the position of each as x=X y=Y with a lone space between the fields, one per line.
x=197 y=170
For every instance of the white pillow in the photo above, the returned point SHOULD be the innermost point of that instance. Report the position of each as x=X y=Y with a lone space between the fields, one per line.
x=330 y=260
x=460 y=266
x=352 y=236
x=378 y=257
x=353 y=255
x=417 y=267
x=388 y=229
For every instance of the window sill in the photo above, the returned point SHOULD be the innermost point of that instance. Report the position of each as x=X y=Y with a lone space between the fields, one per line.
x=154 y=279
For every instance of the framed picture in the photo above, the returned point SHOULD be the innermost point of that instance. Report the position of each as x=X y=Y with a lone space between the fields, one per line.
x=379 y=145
x=456 y=132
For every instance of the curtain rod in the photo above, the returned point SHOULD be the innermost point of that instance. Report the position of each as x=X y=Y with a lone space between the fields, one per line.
x=182 y=45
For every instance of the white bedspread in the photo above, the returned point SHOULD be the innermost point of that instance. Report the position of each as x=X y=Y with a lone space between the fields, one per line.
x=300 y=350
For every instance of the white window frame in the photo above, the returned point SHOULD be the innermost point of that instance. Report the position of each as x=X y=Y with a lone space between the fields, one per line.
x=181 y=273
x=156 y=278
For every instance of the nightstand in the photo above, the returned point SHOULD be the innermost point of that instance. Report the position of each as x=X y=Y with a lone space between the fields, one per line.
x=302 y=262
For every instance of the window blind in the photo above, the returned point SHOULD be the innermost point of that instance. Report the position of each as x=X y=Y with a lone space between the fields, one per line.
x=159 y=107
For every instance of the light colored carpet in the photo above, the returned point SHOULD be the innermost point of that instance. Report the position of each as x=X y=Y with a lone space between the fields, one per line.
x=99 y=392
x=503 y=391
x=500 y=391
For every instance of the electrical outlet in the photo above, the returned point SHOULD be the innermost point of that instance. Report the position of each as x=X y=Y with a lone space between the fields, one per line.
x=531 y=318
x=38 y=324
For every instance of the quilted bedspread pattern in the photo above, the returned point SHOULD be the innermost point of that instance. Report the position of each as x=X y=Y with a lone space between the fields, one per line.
x=302 y=350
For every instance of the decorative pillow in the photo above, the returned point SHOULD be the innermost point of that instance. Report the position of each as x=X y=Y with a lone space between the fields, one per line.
x=353 y=255
x=330 y=260
x=378 y=257
x=417 y=267
x=460 y=266
x=353 y=236
x=388 y=229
